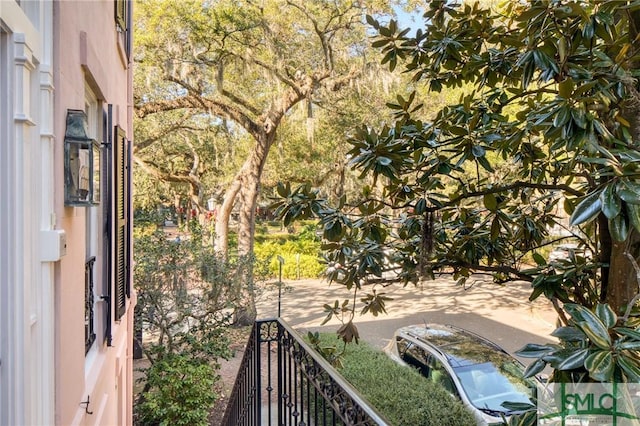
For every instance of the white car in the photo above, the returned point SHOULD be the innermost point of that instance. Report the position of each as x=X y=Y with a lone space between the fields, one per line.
x=473 y=369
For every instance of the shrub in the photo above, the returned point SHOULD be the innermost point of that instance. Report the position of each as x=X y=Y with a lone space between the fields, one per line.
x=180 y=392
x=398 y=392
x=186 y=295
x=300 y=253
x=297 y=266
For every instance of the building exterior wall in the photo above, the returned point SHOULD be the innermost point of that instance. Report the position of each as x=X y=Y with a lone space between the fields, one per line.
x=26 y=214
x=92 y=72
x=57 y=56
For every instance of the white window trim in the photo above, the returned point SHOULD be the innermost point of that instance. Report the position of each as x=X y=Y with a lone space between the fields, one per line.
x=94 y=235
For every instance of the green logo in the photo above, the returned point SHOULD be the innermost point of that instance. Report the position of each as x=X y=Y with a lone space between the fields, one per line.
x=589 y=404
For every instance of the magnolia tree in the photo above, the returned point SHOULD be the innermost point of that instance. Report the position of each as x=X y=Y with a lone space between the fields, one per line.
x=545 y=136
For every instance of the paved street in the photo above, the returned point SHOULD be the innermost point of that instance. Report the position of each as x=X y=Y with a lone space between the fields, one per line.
x=500 y=313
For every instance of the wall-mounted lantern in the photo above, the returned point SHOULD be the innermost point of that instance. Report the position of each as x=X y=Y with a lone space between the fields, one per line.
x=81 y=162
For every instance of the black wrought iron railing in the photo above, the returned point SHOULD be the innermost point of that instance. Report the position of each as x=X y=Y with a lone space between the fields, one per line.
x=282 y=381
x=89 y=331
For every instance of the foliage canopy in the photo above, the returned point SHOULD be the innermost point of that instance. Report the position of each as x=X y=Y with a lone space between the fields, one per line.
x=541 y=147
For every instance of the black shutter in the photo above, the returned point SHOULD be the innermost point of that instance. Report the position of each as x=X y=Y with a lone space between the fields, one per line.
x=121 y=255
x=107 y=292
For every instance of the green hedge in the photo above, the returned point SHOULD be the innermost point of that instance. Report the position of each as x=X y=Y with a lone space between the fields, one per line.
x=400 y=394
x=301 y=254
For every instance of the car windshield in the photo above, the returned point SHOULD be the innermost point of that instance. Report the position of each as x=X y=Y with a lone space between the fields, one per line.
x=488 y=386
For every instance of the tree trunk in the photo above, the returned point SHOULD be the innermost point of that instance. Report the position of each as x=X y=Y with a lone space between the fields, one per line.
x=250 y=183
x=623 y=283
x=223 y=213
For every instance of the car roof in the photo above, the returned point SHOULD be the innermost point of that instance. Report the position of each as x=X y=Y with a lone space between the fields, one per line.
x=460 y=347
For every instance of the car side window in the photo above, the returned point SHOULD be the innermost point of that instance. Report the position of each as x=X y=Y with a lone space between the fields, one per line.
x=414 y=355
x=441 y=376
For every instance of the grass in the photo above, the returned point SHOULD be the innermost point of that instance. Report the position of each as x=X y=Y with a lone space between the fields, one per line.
x=399 y=393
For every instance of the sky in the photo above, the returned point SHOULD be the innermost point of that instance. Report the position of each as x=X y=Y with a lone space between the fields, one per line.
x=413 y=20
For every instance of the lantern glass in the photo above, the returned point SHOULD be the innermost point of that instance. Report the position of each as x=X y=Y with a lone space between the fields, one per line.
x=81 y=162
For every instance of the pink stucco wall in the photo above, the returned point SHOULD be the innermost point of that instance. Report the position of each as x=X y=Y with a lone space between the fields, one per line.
x=87 y=49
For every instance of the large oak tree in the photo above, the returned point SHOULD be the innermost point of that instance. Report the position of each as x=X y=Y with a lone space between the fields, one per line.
x=245 y=64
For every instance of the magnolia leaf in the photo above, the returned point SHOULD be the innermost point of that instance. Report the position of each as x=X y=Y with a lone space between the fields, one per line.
x=600 y=365
x=633 y=345
x=633 y=212
x=348 y=332
x=611 y=204
x=490 y=202
x=283 y=190
x=533 y=350
x=628 y=191
x=587 y=209
x=478 y=151
x=606 y=315
x=569 y=334
x=537 y=257
x=619 y=228
x=630 y=367
x=534 y=368
x=574 y=360
x=590 y=324
x=634 y=334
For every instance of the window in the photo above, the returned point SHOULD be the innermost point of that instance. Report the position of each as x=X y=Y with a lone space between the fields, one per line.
x=415 y=356
x=440 y=375
x=123 y=24
x=95 y=308
x=121 y=14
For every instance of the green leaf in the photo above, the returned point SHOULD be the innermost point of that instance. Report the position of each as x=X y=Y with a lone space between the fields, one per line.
x=619 y=228
x=587 y=210
x=495 y=229
x=569 y=334
x=602 y=130
x=539 y=259
x=534 y=368
x=579 y=117
x=478 y=151
x=562 y=117
x=574 y=360
x=458 y=131
x=633 y=345
x=534 y=350
x=485 y=164
x=634 y=334
x=628 y=191
x=490 y=202
x=611 y=204
x=566 y=86
x=600 y=365
x=421 y=206
x=537 y=291
x=590 y=324
x=630 y=367
x=606 y=315
x=633 y=212
x=283 y=190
